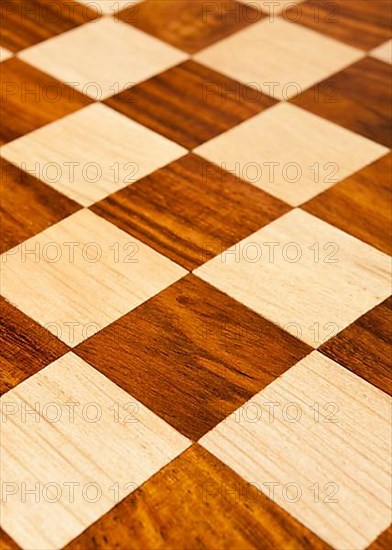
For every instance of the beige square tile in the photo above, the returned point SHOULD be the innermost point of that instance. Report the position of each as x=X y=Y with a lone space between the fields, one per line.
x=81 y=274
x=91 y=153
x=277 y=57
x=272 y=6
x=310 y=154
x=322 y=435
x=109 y=7
x=303 y=274
x=103 y=57
x=90 y=446
x=383 y=52
x=5 y=54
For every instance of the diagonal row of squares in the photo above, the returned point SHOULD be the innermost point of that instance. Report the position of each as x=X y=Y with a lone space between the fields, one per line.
x=296 y=271
x=293 y=70
x=192 y=25
x=284 y=73
x=119 y=151
x=84 y=444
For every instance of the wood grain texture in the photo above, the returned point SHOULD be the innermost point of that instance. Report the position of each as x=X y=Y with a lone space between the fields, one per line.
x=27 y=22
x=343 y=446
x=27 y=205
x=91 y=141
x=317 y=281
x=359 y=98
x=188 y=354
x=190 y=25
x=143 y=139
x=364 y=196
x=359 y=23
x=83 y=274
x=30 y=99
x=94 y=63
x=75 y=450
x=310 y=153
x=365 y=347
x=190 y=210
x=383 y=52
x=26 y=347
x=190 y=103
x=220 y=511
x=293 y=57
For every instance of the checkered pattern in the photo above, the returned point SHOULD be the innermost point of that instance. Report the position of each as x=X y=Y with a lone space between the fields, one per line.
x=195 y=274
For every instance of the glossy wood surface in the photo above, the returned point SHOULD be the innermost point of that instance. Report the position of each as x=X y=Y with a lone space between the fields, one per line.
x=190 y=210
x=190 y=103
x=366 y=195
x=28 y=22
x=218 y=507
x=358 y=98
x=360 y=23
x=188 y=354
x=365 y=346
x=190 y=25
x=30 y=99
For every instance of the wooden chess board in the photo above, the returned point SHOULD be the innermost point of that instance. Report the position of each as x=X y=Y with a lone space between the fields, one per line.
x=195 y=274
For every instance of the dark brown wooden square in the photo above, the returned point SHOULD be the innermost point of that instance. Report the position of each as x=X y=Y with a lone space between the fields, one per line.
x=190 y=210
x=358 y=98
x=26 y=347
x=190 y=104
x=30 y=99
x=28 y=206
x=190 y=25
x=361 y=23
x=365 y=347
x=27 y=22
x=192 y=354
x=360 y=205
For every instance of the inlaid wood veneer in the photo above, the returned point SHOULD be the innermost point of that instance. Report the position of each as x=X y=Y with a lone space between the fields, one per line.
x=189 y=354
x=190 y=210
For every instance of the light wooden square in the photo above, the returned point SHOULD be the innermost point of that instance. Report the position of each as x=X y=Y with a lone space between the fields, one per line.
x=310 y=154
x=323 y=435
x=5 y=54
x=278 y=52
x=89 y=433
x=270 y=6
x=383 y=52
x=103 y=57
x=91 y=153
x=81 y=274
x=313 y=282
x=109 y=7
